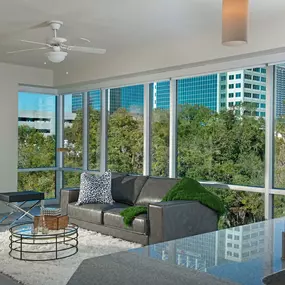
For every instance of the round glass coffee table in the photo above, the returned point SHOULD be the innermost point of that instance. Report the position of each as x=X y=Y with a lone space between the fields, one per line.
x=27 y=245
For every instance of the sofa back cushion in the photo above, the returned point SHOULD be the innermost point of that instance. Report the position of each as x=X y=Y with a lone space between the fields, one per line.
x=155 y=189
x=126 y=189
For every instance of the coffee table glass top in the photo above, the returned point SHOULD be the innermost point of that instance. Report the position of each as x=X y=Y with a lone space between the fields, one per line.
x=27 y=230
x=244 y=254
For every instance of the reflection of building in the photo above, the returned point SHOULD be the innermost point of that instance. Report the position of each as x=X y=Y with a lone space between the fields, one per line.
x=206 y=251
x=245 y=242
x=197 y=252
x=43 y=121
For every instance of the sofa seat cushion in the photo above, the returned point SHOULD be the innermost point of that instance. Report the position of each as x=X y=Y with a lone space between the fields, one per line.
x=113 y=218
x=92 y=213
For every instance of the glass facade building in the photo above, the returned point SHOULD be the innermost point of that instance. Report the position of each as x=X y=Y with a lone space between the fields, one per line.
x=201 y=90
x=280 y=91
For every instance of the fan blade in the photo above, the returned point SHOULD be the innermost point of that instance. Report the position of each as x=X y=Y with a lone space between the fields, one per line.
x=36 y=43
x=40 y=25
x=86 y=40
x=86 y=49
x=23 y=50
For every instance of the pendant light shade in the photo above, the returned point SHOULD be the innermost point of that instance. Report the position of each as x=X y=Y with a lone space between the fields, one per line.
x=235 y=20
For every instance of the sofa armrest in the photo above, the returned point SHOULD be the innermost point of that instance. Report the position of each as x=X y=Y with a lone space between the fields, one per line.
x=68 y=195
x=177 y=219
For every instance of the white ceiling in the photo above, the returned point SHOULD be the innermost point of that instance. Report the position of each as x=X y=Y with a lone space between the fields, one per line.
x=138 y=34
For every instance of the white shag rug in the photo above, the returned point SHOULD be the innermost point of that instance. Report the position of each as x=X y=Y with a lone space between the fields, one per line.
x=58 y=272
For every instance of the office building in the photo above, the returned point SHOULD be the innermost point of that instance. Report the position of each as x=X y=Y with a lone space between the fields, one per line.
x=244 y=91
x=43 y=121
x=280 y=91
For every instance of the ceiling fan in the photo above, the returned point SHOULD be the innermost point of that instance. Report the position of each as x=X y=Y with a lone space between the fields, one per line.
x=59 y=50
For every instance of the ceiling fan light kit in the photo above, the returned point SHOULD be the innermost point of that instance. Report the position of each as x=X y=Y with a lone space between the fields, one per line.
x=59 y=50
x=235 y=22
x=56 y=56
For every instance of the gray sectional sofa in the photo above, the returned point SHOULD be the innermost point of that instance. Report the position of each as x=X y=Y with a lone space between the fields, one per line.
x=164 y=221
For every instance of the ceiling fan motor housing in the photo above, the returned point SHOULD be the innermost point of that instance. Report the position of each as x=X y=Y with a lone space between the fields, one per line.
x=55 y=25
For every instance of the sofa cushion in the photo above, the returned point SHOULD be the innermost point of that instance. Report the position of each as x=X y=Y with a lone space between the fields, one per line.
x=127 y=189
x=155 y=189
x=92 y=213
x=95 y=189
x=113 y=218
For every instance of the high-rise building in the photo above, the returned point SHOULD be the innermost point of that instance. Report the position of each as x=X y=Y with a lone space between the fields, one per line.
x=280 y=91
x=129 y=97
x=95 y=100
x=244 y=90
x=160 y=95
x=77 y=103
x=202 y=90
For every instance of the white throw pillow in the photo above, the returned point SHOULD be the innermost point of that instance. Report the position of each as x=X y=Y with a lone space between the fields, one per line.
x=95 y=189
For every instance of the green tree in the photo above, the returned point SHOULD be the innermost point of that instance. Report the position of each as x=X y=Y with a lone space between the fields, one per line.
x=125 y=142
x=160 y=143
x=36 y=150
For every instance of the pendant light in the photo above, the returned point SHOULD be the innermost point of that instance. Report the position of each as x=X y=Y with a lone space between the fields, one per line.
x=235 y=21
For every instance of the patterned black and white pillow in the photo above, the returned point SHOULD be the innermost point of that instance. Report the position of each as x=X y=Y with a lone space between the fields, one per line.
x=95 y=189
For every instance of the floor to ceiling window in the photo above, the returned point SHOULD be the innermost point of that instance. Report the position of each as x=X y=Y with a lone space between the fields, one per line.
x=73 y=130
x=125 y=129
x=160 y=102
x=279 y=133
x=36 y=142
x=279 y=139
x=220 y=138
x=94 y=118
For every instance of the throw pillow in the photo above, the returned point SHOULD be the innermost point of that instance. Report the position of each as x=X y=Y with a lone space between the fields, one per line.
x=95 y=189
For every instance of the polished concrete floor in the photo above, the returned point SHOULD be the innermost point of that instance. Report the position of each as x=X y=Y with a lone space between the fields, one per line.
x=4 y=280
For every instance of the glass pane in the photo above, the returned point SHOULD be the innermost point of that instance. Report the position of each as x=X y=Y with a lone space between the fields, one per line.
x=73 y=130
x=279 y=206
x=220 y=137
x=279 y=173
x=125 y=129
x=36 y=130
x=160 y=97
x=241 y=207
x=41 y=181
x=71 y=179
x=94 y=129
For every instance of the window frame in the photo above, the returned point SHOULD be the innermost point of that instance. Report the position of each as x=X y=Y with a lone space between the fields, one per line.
x=268 y=190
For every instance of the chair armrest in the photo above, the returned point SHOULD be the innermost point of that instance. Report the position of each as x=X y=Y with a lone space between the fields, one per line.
x=177 y=219
x=68 y=195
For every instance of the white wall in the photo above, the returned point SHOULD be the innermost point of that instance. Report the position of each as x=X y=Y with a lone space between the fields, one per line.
x=10 y=77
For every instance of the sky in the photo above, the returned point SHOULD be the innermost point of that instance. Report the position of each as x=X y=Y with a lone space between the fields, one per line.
x=41 y=102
